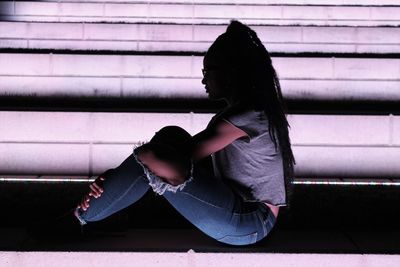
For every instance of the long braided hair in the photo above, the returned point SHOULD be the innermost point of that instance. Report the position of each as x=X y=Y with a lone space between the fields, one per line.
x=257 y=85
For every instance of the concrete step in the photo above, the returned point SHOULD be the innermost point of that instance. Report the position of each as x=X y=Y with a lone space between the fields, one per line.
x=194 y=38
x=166 y=76
x=189 y=247
x=211 y=12
x=314 y=205
x=366 y=181
x=169 y=88
x=324 y=223
x=256 y=2
x=191 y=241
x=91 y=142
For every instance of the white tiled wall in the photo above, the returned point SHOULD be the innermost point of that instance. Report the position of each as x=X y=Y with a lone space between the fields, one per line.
x=161 y=76
x=149 y=37
x=23 y=64
x=281 y=13
x=86 y=143
x=333 y=145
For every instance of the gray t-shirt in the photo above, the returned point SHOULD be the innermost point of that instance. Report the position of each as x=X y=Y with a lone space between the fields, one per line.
x=250 y=165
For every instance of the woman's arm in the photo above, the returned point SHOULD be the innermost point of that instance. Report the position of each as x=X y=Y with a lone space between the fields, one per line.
x=214 y=138
x=204 y=143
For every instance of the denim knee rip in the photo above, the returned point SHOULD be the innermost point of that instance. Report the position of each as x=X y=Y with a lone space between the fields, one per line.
x=156 y=183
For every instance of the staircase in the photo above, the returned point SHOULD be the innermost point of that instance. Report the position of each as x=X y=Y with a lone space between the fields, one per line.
x=81 y=82
x=82 y=62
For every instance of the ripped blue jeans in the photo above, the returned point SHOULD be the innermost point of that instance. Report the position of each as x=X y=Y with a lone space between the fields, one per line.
x=206 y=201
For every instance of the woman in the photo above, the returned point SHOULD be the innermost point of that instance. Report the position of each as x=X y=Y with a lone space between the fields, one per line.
x=236 y=201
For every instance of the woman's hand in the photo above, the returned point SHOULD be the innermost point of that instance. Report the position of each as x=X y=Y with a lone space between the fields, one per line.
x=96 y=190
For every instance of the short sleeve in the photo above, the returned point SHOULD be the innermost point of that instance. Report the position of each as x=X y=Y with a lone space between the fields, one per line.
x=253 y=122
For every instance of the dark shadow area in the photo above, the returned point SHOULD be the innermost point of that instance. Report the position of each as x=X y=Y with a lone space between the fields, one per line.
x=191 y=53
x=184 y=105
x=323 y=219
x=314 y=206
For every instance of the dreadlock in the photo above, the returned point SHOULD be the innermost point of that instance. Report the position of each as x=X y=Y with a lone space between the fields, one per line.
x=258 y=86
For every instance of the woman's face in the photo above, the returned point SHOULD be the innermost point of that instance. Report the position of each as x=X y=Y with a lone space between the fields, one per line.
x=217 y=79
